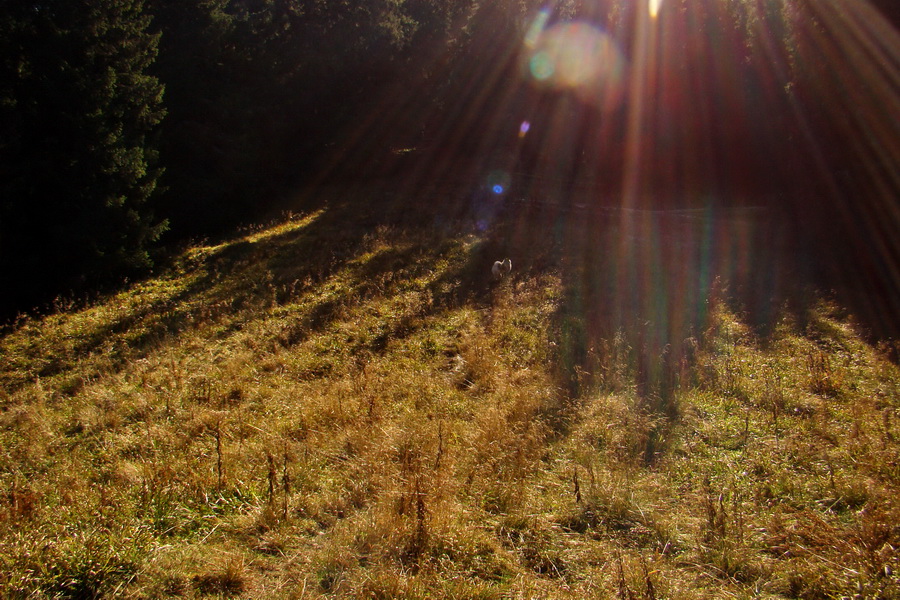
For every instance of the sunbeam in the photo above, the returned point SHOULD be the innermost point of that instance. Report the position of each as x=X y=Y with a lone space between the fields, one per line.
x=634 y=108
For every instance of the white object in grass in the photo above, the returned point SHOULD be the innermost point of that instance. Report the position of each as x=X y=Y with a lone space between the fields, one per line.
x=501 y=268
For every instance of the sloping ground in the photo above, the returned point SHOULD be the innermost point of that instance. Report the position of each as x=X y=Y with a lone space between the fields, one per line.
x=340 y=407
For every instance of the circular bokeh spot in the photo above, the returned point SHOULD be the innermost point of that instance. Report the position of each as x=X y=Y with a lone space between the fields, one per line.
x=498 y=182
x=577 y=56
x=542 y=66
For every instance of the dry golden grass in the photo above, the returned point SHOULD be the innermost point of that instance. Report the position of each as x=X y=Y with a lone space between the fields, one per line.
x=324 y=409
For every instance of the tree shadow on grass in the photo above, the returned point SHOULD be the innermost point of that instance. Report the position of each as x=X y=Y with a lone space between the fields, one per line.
x=229 y=283
x=639 y=288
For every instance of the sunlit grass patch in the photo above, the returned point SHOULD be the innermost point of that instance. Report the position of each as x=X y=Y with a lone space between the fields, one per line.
x=385 y=423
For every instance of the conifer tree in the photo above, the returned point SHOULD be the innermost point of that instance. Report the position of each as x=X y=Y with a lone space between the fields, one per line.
x=78 y=116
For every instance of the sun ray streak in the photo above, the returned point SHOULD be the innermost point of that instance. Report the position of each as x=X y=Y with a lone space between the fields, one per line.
x=643 y=64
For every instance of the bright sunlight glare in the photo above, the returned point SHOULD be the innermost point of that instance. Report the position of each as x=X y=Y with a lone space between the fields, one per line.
x=696 y=108
x=577 y=56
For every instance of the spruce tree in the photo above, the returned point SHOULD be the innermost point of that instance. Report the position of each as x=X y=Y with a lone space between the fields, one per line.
x=78 y=117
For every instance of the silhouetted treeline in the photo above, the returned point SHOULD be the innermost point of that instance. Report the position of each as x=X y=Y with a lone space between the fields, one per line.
x=127 y=125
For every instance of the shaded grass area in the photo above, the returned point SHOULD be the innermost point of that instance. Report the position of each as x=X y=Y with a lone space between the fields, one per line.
x=345 y=404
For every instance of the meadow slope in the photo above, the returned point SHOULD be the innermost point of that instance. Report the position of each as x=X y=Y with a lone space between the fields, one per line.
x=346 y=405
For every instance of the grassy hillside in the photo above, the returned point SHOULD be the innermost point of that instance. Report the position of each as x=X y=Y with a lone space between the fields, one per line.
x=346 y=405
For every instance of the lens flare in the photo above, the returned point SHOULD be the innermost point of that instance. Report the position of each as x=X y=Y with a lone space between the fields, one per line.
x=536 y=28
x=542 y=66
x=498 y=182
x=523 y=129
x=577 y=56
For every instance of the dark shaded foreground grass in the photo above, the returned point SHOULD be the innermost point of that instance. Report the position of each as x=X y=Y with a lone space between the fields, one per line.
x=346 y=405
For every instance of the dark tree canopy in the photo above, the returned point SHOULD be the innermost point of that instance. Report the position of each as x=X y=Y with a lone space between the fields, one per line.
x=78 y=112
x=257 y=92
